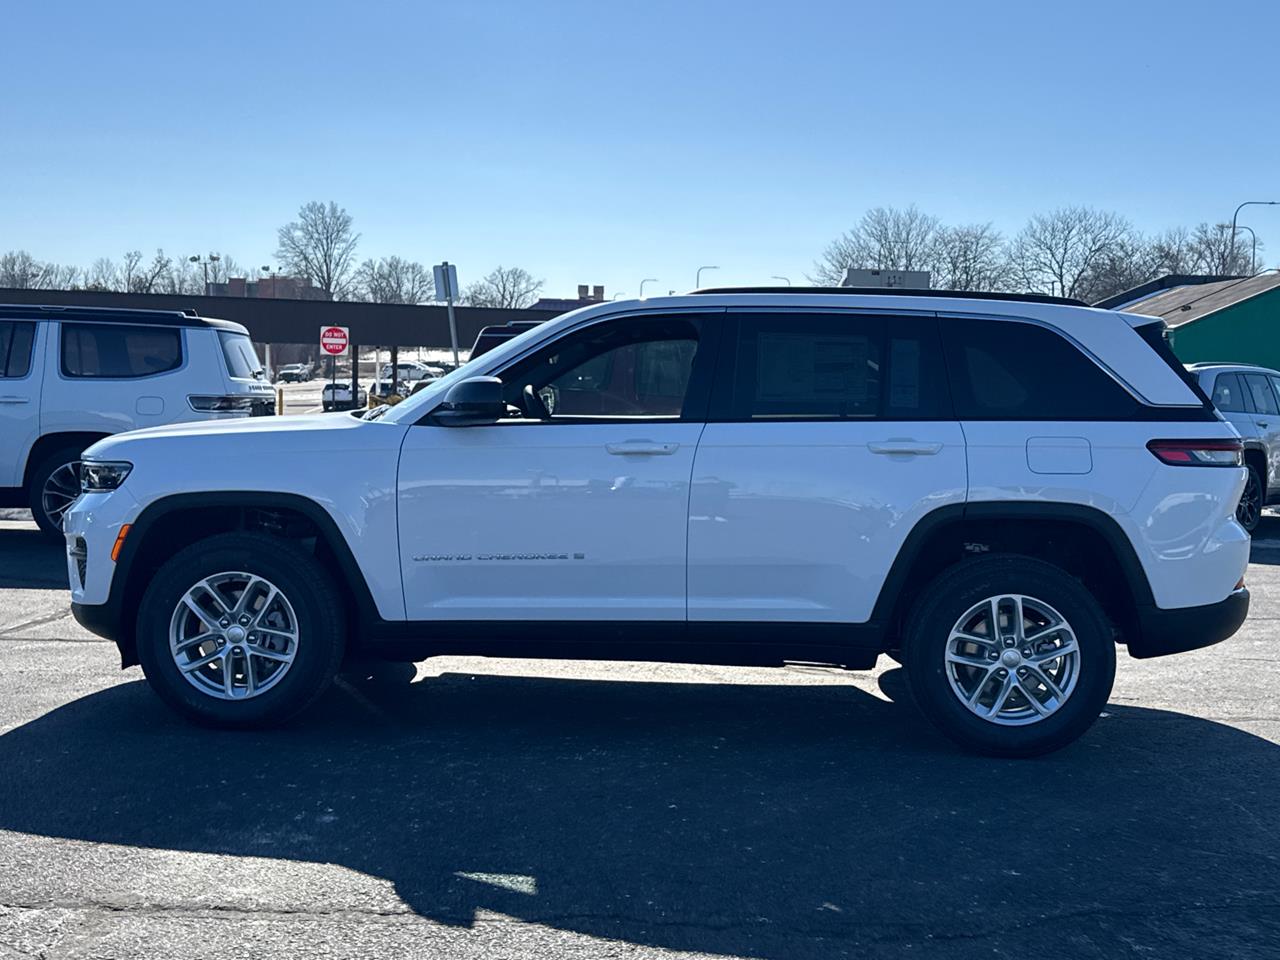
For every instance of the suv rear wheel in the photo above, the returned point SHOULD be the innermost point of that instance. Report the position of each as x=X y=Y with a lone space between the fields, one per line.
x=240 y=630
x=55 y=484
x=1009 y=656
x=1249 y=509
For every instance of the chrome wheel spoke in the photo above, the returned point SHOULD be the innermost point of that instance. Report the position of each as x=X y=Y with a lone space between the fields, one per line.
x=980 y=660
x=1047 y=682
x=195 y=641
x=268 y=654
x=204 y=661
x=1048 y=656
x=1031 y=699
x=189 y=602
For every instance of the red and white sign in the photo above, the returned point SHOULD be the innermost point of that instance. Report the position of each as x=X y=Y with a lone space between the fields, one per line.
x=335 y=341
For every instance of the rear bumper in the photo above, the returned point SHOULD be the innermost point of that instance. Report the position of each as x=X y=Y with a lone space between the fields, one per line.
x=1165 y=631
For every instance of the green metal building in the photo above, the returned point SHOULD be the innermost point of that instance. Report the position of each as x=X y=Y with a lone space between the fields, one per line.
x=1235 y=320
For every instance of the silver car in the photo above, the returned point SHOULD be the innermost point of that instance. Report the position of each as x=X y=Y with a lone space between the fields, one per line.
x=1249 y=397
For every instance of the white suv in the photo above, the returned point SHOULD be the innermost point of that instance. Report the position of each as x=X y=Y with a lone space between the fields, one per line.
x=70 y=376
x=1249 y=398
x=994 y=490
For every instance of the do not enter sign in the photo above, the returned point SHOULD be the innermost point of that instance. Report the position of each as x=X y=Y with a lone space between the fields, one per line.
x=335 y=341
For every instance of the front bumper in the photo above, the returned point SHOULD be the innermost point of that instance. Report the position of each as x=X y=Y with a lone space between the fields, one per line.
x=1164 y=631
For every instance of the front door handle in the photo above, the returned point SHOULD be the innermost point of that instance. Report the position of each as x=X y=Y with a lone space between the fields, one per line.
x=631 y=448
x=1263 y=424
x=15 y=399
x=911 y=448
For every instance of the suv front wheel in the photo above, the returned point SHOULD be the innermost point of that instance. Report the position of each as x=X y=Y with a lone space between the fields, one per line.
x=240 y=630
x=1009 y=656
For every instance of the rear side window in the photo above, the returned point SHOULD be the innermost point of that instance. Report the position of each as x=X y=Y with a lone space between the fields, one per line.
x=242 y=359
x=117 y=351
x=1260 y=392
x=832 y=366
x=16 y=339
x=1228 y=395
x=1008 y=370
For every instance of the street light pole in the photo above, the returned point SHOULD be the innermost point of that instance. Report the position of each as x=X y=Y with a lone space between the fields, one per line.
x=204 y=262
x=697 y=279
x=1253 y=252
x=1235 y=216
x=786 y=280
x=643 y=282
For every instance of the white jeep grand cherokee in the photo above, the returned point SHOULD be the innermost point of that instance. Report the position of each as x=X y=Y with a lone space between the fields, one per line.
x=993 y=489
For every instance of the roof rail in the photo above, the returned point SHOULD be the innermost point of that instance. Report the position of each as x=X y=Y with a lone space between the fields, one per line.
x=904 y=292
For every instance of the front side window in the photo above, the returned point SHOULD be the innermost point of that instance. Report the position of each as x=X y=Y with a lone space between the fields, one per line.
x=835 y=366
x=16 y=340
x=119 y=351
x=1009 y=370
x=634 y=368
x=1227 y=394
x=1264 y=400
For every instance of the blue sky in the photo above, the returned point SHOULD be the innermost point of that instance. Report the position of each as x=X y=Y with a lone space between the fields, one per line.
x=611 y=141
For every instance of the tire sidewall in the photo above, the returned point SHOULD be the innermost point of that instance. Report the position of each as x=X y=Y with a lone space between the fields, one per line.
x=957 y=591
x=1254 y=480
x=307 y=587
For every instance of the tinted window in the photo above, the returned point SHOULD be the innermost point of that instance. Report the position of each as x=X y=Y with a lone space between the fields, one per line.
x=106 y=350
x=1008 y=370
x=835 y=366
x=1227 y=393
x=628 y=368
x=1264 y=400
x=242 y=359
x=16 y=338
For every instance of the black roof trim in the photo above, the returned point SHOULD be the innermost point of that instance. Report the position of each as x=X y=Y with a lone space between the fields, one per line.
x=904 y=292
x=154 y=318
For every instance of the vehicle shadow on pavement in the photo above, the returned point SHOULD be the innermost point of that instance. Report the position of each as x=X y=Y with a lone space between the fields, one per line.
x=766 y=820
x=31 y=561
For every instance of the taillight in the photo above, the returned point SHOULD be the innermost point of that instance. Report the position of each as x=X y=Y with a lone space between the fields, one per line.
x=1198 y=453
x=232 y=404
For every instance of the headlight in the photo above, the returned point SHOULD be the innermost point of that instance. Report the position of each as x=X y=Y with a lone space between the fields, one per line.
x=221 y=404
x=98 y=476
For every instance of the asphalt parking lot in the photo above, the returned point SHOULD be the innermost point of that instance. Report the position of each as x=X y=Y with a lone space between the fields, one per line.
x=483 y=808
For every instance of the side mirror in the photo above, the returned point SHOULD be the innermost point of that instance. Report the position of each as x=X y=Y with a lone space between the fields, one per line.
x=474 y=401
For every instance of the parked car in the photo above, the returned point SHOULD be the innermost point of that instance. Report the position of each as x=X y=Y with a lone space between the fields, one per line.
x=409 y=370
x=1249 y=397
x=337 y=396
x=294 y=373
x=992 y=489
x=70 y=376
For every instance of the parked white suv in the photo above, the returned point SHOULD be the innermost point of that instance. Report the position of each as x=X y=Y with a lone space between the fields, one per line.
x=994 y=490
x=70 y=376
x=1249 y=398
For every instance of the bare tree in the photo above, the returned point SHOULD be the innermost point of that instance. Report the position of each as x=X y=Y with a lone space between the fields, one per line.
x=510 y=287
x=321 y=246
x=884 y=239
x=971 y=257
x=21 y=271
x=393 y=280
x=1060 y=251
x=1212 y=251
x=137 y=277
x=103 y=275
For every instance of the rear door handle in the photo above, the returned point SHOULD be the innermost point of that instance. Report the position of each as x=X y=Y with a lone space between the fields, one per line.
x=1262 y=423
x=15 y=399
x=914 y=448
x=630 y=448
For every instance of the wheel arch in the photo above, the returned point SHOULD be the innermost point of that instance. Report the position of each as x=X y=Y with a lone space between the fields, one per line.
x=52 y=442
x=1083 y=540
x=173 y=522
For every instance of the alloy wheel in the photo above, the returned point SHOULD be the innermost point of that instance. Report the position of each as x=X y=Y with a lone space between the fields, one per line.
x=233 y=635
x=60 y=491
x=1249 y=509
x=1012 y=660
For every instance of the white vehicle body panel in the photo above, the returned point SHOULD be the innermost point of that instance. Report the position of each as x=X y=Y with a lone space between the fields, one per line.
x=517 y=521
x=801 y=521
x=20 y=412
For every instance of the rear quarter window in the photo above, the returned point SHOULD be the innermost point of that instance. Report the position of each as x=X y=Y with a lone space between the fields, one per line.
x=16 y=339
x=1010 y=370
x=116 y=351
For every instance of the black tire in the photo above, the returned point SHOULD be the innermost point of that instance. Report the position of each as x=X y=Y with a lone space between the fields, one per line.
x=310 y=591
x=1249 y=509
x=39 y=477
x=960 y=588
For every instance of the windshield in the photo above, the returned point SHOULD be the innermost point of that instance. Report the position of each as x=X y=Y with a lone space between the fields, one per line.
x=242 y=359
